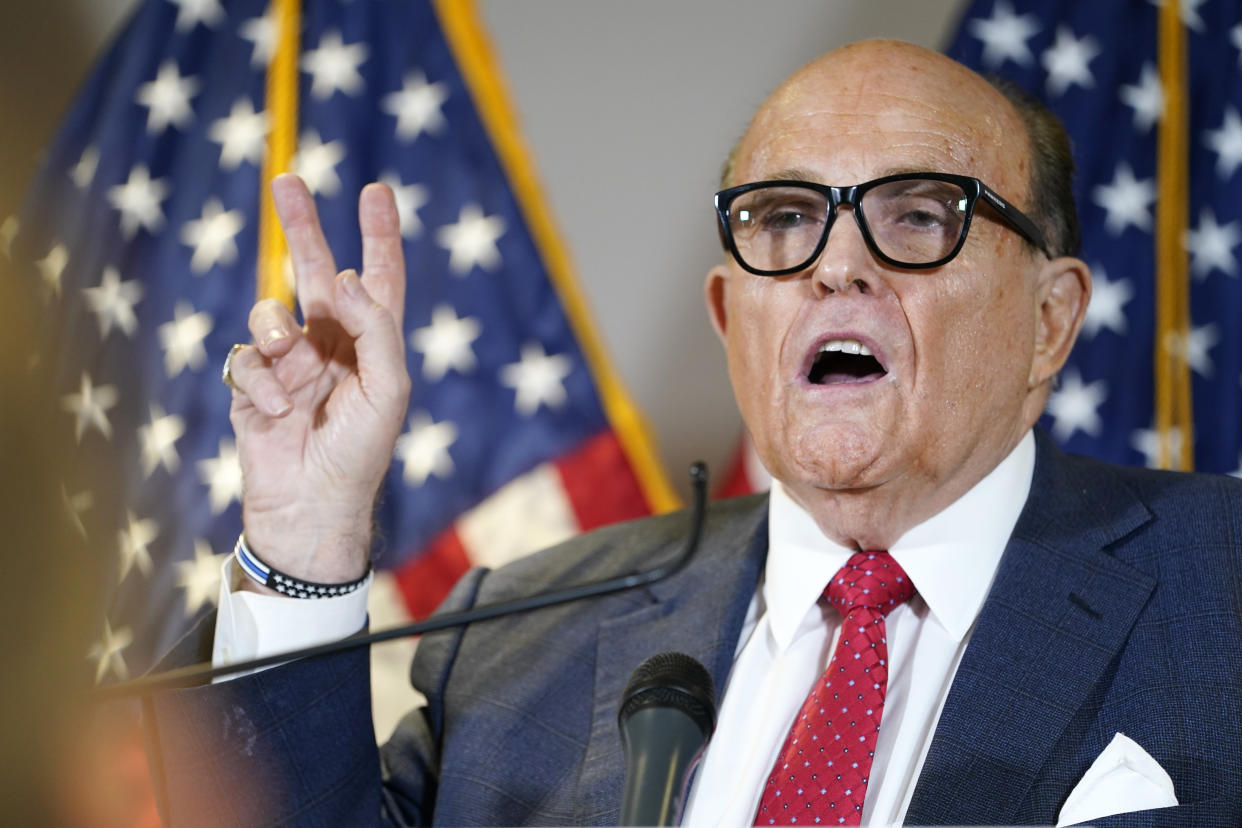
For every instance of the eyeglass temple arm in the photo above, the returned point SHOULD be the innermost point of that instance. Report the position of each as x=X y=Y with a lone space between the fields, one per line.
x=1016 y=218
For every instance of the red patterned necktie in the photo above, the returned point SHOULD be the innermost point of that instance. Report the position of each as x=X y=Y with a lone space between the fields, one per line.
x=820 y=777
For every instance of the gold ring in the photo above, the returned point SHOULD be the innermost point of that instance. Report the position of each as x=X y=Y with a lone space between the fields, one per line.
x=226 y=376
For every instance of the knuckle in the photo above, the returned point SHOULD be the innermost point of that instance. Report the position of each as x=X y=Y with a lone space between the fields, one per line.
x=264 y=308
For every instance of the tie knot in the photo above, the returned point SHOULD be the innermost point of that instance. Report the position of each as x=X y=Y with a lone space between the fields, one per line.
x=869 y=579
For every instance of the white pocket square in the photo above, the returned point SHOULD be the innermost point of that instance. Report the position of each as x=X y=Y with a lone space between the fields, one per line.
x=1124 y=778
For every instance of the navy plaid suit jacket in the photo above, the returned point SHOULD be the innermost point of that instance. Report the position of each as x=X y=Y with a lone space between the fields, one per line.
x=1117 y=607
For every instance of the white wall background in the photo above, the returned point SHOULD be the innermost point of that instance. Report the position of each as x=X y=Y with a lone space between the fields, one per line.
x=629 y=108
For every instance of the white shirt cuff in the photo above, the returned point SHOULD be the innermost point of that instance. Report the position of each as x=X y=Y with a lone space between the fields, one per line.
x=251 y=625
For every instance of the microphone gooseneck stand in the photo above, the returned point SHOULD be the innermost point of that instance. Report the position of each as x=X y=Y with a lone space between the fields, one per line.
x=201 y=673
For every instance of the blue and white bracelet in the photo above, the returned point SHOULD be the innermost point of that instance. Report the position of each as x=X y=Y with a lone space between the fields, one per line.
x=271 y=577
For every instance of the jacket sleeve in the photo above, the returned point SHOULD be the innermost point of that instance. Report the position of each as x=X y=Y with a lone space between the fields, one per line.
x=295 y=744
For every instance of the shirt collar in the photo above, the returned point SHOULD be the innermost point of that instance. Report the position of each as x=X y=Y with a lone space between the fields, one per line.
x=951 y=558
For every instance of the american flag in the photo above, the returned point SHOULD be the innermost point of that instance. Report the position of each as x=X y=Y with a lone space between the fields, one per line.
x=1095 y=64
x=141 y=230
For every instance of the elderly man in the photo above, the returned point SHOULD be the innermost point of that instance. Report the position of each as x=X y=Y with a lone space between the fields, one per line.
x=934 y=618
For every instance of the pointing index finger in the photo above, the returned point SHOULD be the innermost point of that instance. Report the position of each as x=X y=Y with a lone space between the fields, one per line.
x=313 y=265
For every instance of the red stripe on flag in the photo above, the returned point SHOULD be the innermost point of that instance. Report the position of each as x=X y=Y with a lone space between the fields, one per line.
x=736 y=481
x=427 y=577
x=599 y=483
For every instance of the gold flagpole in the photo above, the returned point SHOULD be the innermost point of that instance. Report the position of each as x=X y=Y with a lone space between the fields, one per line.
x=1174 y=415
x=282 y=114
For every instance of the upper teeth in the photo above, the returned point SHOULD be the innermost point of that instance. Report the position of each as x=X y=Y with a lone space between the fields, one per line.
x=848 y=346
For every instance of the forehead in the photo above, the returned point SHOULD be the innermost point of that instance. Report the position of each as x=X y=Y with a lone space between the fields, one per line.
x=883 y=107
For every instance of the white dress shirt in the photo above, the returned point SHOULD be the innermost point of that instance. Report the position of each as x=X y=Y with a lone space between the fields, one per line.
x=788 y=638
x=786 y=641
x=252 y=625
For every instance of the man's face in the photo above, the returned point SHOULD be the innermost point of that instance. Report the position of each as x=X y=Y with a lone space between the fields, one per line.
x=955 y=348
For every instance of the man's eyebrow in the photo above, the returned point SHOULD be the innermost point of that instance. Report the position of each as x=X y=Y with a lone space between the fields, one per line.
x=793 y=174
x=803 y=174
x=907 y=168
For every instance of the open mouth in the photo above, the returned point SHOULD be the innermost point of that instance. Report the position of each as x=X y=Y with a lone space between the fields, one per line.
x=844 y=361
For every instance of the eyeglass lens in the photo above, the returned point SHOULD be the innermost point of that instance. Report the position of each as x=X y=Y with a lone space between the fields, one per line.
x=915 y=221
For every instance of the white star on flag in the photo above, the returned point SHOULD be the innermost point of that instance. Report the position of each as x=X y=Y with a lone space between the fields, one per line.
x=423 y=449
x=1194 y=347
x=90 y=406
x=472 y=240
x=222 y=476
x=52 y=268
x=410 y=199
x=76 y=506
x=113 y=302
x=1005 y=35
x=1146 y=98
x=138 y=201
x=132 y=543
x=1108 y=300
x=1199 y=343
x=1211 y=245
x=158 y=439
x=83 y=172
x=240 y=135
x=167 y=99
x=212 y=236
x=1127 y=200
x=261 y=32
x=1147 y=442
x=1067 y=61
x=416 y=106
x=182 y=339
x=1189 y=12
x=192 y=12
x=1235 y=37
x=1238 y=471
x=1226 y=142
x=1075 y=406
x=107 y=652
x=315 y=162
x=445 y=343
x=537 y=378
x=333 y=66
x=200 y=578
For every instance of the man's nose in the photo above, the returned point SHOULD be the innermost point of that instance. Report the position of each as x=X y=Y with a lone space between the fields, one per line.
x=844 y=261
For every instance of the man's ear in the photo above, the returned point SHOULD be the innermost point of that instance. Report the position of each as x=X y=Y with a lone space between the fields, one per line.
x=1064 y=290
x=714 y=288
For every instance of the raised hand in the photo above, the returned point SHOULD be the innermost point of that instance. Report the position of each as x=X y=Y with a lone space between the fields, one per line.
x=317 y=408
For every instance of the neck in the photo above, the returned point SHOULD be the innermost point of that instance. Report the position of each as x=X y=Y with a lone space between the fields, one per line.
x=877 y=517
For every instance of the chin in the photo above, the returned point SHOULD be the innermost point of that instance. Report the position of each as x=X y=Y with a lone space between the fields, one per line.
x=832 y=458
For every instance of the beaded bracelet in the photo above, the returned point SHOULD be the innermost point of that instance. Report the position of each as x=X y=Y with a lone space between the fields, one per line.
x=269 y=576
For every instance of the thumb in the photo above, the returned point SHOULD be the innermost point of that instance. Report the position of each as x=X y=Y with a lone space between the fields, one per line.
x=377 y=342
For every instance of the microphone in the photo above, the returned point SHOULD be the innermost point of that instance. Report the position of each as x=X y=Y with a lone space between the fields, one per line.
x=668 y=712
x=200 y=673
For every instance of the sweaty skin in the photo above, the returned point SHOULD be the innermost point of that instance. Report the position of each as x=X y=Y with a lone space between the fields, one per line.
x=969 y=348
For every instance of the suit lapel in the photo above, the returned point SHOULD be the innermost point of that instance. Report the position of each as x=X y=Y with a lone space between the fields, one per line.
x=1059 y=611
x=698 y=611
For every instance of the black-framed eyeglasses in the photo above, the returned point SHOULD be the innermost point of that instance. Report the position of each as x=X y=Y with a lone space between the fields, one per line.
x=913 y=220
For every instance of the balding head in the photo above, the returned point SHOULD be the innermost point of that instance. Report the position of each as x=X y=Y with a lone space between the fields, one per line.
x=865 y=78
x=1017 y=121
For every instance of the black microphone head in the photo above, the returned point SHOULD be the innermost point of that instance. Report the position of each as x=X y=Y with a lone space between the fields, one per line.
x=673 y=680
